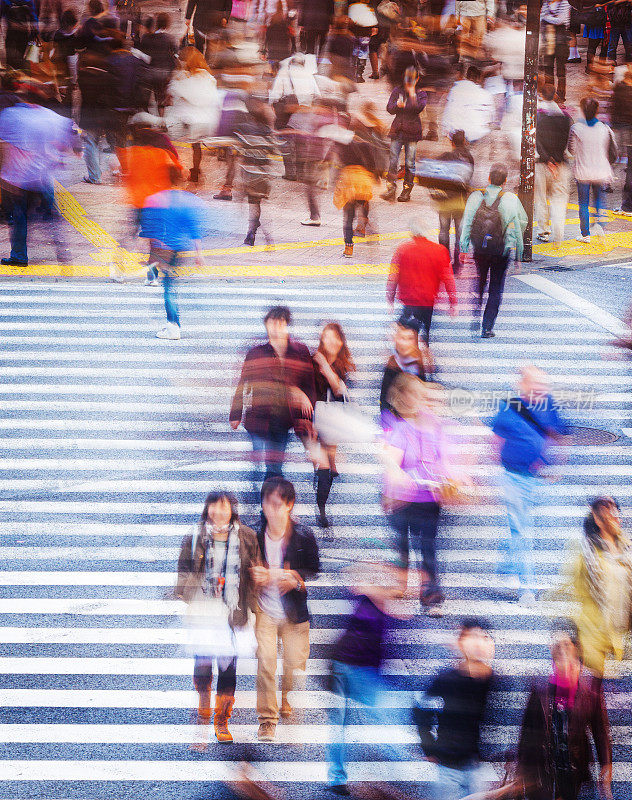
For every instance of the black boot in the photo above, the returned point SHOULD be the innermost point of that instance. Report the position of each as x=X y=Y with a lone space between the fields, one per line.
x=323 y=487
x=405 y=195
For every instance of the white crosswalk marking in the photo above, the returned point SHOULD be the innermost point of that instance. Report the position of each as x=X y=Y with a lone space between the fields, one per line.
x=109 y=441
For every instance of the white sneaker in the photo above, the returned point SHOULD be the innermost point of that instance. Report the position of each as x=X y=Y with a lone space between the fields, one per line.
x=314 y=222
x=152 y=282
x=527 y=598
x=622 y=212
x=583 y=239
x=170 y=331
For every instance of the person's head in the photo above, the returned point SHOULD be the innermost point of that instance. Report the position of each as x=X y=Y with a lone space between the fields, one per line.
x=149 y=24
x=548 y=92
x=475 y=641
x=333 y=345
x=95 y=7
x=473 y=74
x=406 y=336
x=589 y=107
x=277 y=501
x=604 y=519
x=458 y=139
x=498 y=175
x=409 y=396
x=192 y=60
x=411 y=76
x=68 y=19
x=417 y=228
x=534 y=384
x=220 y=509
x=163 y=21
x=341 y=24
x=277 y=322
x=566 y=653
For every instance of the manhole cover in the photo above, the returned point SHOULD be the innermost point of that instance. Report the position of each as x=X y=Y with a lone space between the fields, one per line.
x=593 y=436
x=559 y=268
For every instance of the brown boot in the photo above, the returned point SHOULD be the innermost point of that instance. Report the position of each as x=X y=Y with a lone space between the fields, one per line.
x=223 y=711
x=204 y=709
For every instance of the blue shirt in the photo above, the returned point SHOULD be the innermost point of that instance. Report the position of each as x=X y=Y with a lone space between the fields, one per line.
x=524 y=447
x=37 y=140
x=178 y=219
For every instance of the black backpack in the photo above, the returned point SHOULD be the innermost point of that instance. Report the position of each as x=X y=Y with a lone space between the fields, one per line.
x=488 y=231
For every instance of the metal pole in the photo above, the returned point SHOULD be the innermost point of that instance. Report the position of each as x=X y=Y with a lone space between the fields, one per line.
x=529 y=111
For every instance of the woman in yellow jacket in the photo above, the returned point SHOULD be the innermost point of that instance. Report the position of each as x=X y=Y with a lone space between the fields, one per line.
x=601 y=583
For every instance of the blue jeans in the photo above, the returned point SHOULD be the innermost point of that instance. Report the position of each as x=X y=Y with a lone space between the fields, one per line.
x=625 y=34
x=410 y=150
x=520 y=496
x=360 y=685
x=168 y=264
x=91 y=154
x=271 y=450
x=583 y=198
x=417 y=523
x=454 y=784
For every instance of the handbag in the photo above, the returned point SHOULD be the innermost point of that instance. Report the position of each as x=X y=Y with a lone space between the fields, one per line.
x=342 y=422
x=33 y=53
x=443 y=175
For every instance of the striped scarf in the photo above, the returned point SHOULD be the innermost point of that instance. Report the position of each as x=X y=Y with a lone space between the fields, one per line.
x=223 y=564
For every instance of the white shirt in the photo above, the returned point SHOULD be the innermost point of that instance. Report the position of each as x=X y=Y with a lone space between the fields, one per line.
x=270 y=597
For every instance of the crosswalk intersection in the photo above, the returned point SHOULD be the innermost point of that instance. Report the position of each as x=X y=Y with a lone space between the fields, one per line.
x=110 y=440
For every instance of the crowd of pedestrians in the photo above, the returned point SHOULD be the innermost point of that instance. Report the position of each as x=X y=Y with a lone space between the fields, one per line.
x=272 y=84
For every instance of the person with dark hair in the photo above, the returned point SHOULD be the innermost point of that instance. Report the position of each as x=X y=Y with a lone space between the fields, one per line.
x=21 y=21
x=215 y=578
x=162 y=50
x=451 y=202
x=453 y=710
x=406 y=103
x=555 y=17
x=493 y=222
x=315 y=18
x=90 y=35
x=207 y=18
x=408 y=355
x=419 y=268
x=600 y=581
x=554 y=752
x=290 y=558
x=279 y=378
x=332 y=366
x=279 y=41
x=552 y=129
x=64 y=57
x=593 y=144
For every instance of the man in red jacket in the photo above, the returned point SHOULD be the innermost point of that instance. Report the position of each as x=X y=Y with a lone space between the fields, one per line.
x=418 y=269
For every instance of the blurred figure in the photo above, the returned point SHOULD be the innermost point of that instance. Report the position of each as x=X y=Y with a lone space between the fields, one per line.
x=594 y=30
x=340 y=48
x=356 y=665
x=419 y=268
x=620 y=28
x=600 y=580
x=552 y=129
x=94 y=85
x=363 y=23
x=332 y=366
x=409 y=355
x=36 y=141
x=256 y=146
x=595 y=150
x=207 y=18
x=555 y=754
x=621 y=118
x=315 y=18
x=215 y=577
x=310 y=150
x=406 y=103
x=290 y=557
x=474 y=17
x=555 y=17
x=525 y=428
x=451 y=202
x=162 y=50
x=493 y=221
x=436 y=81
x=278 y=378
x=64 y=58
x=417 y=474
x=21 y=23
x=279 y=41
x=175 y=221
x=454 y=708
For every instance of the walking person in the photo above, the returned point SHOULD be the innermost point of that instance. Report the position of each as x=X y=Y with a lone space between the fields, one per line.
x=290 y=557
x=453 y=710
x=332 y=366
x=555 y=17
x=162 y=50
x=206 y=19
x=493 y=222
x=278 y=379
x=215 y=578
x=593 y=145
x=600 y=581
x=419 y=268
x=552 y=129
x=406 y=103
x=525 y=427
x=21 y=22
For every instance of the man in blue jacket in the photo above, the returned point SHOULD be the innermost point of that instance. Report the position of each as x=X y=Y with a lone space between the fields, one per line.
x=524 y=428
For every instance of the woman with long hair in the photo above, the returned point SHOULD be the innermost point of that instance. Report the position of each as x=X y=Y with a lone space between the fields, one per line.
x=601 y=583
x=333 y=364
x=215 y=580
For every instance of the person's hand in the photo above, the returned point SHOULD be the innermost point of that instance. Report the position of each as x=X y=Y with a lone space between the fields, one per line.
x=454 y=310
x=302 y=402
x=462 y=257
x=235 y=423
x=286 y=581
x=224 y=22
x=320 y=359
x=605 y=781
x=553 y=168
x=260 y=576
x=401 y=103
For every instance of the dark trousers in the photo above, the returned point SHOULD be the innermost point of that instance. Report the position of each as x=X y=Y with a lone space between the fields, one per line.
x=314 y=40
x=417 y=523
x=348 y=217
x=556 y=61
x=18 y=203
x=424 y=315
x=226 y=675
x=271 y=450
x=625 y=34
x=494 y=267
x=445 y=221
x=626 y=199
x=593 y=46
x=15 y=45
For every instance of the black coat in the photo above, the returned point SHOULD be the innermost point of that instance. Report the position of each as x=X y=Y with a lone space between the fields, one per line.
x=208 y=13
x=316 y=14
x=407 y=124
